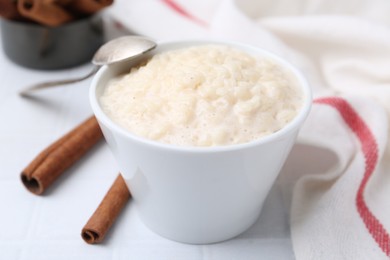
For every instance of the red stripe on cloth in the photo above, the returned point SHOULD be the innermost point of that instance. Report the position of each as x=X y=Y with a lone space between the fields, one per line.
x=180 y=10
x=370 y=150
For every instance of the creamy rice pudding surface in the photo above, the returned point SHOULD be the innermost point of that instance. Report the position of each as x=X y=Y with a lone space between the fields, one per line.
x=206 y=95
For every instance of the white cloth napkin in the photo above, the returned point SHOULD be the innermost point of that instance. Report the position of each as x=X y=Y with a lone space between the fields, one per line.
x=336 y=182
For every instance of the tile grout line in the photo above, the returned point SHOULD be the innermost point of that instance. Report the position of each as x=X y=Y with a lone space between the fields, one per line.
x=29 y=234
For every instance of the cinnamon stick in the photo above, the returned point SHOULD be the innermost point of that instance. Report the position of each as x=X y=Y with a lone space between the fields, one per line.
x=107 y=212
x=89 y=6
x=61 y=2
x=60 y=155
x=9 y=10
x=44 y=12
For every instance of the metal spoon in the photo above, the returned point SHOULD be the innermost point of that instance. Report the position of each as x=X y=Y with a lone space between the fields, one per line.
x=117 y=50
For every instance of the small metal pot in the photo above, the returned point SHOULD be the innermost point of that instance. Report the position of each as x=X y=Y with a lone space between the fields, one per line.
x=48 y=48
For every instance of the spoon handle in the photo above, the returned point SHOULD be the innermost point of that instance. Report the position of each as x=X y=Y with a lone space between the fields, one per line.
x=48 y=84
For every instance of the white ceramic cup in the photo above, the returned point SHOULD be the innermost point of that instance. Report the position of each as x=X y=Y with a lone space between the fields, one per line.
x=192 y=194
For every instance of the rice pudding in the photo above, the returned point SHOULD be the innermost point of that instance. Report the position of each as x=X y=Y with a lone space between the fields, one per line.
x=204 y=95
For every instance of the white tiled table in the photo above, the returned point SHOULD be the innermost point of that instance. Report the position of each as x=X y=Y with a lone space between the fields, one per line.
x=49 y=226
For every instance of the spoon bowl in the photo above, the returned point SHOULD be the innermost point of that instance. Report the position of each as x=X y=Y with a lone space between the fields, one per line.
x=122 y=49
